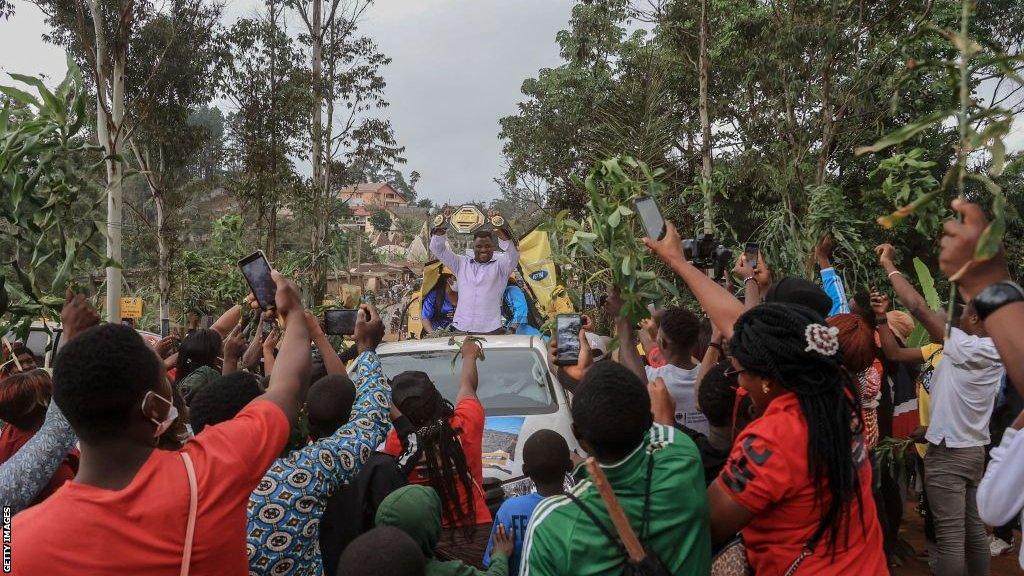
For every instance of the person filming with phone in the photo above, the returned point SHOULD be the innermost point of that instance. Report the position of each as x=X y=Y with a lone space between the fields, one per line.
x=481 y=279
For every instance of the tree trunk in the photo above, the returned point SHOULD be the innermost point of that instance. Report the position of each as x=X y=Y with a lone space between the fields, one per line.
x=317 y=217
x=163 y=262
x=108 y=127
x=705 y=122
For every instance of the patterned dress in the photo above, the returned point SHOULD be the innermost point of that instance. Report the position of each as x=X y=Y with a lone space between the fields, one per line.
x=285 y=508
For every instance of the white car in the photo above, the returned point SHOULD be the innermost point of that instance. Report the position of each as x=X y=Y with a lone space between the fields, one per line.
x=519 y=393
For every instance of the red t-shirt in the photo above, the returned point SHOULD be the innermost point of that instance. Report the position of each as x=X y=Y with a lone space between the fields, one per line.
x=768 y=474
x=469 y=417
x=83 y=530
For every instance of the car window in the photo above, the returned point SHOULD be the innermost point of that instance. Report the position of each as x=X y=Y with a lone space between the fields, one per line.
x=513 y=381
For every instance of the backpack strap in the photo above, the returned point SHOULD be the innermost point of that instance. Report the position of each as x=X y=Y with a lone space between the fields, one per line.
x=597 y=522
x=193 y=506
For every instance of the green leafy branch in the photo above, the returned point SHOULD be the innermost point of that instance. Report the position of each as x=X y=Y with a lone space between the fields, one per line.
x=478 y=340
x=981 y=130
x=605 y=245
x=50 y=199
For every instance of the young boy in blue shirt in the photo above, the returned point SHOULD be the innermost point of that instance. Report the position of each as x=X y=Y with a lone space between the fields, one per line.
x=546 y=461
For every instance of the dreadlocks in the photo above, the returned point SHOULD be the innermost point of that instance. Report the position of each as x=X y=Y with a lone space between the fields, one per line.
x=442 y=451
x=769 y=340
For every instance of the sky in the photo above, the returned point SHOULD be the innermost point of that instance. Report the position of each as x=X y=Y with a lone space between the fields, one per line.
x=457 y=67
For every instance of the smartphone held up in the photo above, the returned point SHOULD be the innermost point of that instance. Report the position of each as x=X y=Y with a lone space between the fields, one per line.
x=340 y=321
x=256 y=270
x=567 y=339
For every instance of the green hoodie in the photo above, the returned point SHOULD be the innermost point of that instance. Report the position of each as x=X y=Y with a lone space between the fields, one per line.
x=416 y=510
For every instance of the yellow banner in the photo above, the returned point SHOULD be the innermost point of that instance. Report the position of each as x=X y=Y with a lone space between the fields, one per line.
x=538 y=270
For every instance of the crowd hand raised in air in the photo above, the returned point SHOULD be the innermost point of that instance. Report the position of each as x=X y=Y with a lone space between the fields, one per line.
x=586 y=356
x=234 y=346
x=369 y=328
x=77 y=315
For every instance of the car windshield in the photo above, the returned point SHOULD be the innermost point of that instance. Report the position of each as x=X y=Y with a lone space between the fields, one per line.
x=513 y=381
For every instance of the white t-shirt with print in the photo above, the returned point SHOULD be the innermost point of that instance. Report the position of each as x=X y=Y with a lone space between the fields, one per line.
x=681 y=385
x=963 y=391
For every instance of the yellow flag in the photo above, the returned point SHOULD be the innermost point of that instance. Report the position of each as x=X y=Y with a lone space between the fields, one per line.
x=538 y=270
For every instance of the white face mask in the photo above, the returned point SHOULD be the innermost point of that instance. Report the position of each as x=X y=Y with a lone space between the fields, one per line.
x=172 y=414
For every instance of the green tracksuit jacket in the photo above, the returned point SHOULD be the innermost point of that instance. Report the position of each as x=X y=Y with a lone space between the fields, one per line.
x=561 y=538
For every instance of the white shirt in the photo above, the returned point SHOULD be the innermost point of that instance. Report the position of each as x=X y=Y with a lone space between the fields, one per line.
x=681 y=383
x=1000 y=497
x=481 y=285
x=964 y=389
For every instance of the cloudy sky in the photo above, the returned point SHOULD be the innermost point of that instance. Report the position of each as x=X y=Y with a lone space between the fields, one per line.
x=457 y=68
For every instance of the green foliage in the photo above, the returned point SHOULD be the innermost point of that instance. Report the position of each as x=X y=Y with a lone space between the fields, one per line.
x=50 y=202
x=919 y=337
x=604 y=249
x=210 y=279
x=381 y=220
x=908 y=177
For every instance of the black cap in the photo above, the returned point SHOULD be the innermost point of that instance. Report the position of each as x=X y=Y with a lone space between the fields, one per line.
x=793 y=290
x=411 y=385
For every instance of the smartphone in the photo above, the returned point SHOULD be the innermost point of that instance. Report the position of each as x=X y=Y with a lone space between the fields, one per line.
x=567 y=336
x=651 y=217
x=752 y=250
x=340 y=321
x=256 y=270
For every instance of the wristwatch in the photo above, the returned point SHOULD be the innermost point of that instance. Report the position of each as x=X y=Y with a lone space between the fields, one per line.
x=996 y=296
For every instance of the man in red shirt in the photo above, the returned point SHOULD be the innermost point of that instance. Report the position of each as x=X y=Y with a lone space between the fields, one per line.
x=133 y=509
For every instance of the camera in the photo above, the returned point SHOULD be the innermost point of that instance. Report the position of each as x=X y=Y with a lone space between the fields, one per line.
x=706 y=253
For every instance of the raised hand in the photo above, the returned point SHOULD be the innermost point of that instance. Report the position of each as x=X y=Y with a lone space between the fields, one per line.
x=886 y=255
x=286 y=300
x=743 y=269
x=959 y=242
x=669 y=248
x=77 y=315
x=369 y=328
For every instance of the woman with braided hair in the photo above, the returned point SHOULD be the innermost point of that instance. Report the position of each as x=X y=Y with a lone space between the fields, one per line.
x=446 y=450
x=798 y=481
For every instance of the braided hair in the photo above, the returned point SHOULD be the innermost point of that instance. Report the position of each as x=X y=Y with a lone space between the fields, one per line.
x=770 y=340
x=442 y=455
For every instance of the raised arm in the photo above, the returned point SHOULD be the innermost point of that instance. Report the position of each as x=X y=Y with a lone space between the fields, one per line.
x=469 y=379
x=352 y=444
x=830 y=280
x=30 y=469
x=628 y=354
x=711 y=357
x=439 y=248
x=332 y=362
x=290 y=377
x=228 y=320
x=744 y=272
x=722 y=307
x=890 y=346
x=511 y=260
x=933 y=321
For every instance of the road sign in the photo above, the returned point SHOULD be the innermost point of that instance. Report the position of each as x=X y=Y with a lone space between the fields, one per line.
x=131 y=308
x=467 y=219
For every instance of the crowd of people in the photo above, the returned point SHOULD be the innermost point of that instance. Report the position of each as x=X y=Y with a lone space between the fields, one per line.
x=743 y=439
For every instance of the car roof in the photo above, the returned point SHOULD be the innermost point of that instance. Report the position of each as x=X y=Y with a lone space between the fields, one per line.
x=432 y=344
